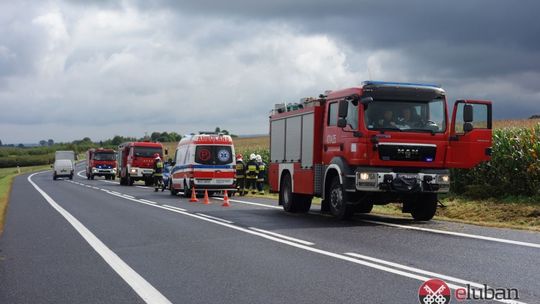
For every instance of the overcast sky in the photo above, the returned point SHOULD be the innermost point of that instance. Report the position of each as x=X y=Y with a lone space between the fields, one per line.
x=71 y=69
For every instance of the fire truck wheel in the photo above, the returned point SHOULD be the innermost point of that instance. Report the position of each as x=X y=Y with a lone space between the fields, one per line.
x=285 y=194
x=338 y=201
x=113 y=177
x=129 y=180
x=148 y=182
x=425 y=207
x=91 y=176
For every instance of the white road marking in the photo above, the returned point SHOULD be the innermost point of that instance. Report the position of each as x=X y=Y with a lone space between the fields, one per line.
x=177 y=208
x=215 y=218
x=466 y=235
x=151 y=202
x=95 y=188
x=144 y=289
x=249 y=203
x=127 y=195
x=110 y=182
x=311 y=249
x=144 y=187
x=79 y=174
x=472 y=236
x=283 y=236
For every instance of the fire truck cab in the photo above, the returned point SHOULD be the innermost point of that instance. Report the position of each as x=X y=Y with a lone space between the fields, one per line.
x=204 y=162
x=378 y=143
x=136 y=162
x=101 y=162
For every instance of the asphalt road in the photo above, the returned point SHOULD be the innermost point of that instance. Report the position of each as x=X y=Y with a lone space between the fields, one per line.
x=94 y=241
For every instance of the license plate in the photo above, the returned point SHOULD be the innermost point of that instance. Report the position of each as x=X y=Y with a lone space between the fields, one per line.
x=408 y=176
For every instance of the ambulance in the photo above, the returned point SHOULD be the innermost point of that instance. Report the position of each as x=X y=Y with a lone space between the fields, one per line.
x=203 y=162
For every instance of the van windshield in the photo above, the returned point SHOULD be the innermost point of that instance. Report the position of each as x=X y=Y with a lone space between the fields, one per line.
x=104 y=156
x=147 y=151
x=213 y=155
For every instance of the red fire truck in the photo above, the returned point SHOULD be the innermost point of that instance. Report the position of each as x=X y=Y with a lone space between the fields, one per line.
x=101 y=162
x=136 y=162
x=378 y=143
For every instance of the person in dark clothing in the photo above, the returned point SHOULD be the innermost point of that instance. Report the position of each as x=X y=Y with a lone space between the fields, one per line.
x=158 y=172
x=240 y=175
x=252 y=171
x=260 y=176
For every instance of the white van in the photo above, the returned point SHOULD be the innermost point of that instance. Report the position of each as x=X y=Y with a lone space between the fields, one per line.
x=63 y=168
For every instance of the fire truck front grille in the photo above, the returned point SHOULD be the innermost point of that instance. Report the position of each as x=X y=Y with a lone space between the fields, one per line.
x=406 y=152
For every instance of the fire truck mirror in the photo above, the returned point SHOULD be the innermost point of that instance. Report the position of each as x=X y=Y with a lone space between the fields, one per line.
x=342 y=122
x=467 y=127
x=366 y=100
x=343 y=108
x=468 y=113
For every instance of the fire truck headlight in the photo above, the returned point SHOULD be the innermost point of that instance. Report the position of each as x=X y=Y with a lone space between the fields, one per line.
x=133 y=171
x=366 y=179
x=443 y=179
x=364 y=176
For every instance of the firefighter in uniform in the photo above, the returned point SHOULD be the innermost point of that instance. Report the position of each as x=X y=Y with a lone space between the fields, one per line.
x=260 y=176
x=158 y=172
x=240 y=175
x=252 y=172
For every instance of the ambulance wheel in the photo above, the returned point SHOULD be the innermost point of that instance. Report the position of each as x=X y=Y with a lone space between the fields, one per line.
x=187 y=192
x=174 y=192
x=425 y=207
x=338 y=201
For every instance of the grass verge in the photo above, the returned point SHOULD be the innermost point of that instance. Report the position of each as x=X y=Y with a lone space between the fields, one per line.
x=512 y=212
x=6 y=180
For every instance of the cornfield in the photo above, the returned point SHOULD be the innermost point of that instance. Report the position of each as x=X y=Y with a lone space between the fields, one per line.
x=514 y=169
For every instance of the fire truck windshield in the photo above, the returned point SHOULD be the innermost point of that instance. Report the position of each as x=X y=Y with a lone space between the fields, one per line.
x=406 y=116
x=147 y=151
x=104 y=156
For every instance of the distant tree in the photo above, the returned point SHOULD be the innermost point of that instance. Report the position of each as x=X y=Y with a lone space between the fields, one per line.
x=1 y=143
x=218 y=129
x=20 y=145
x=155 y=136
x=535 y=116
x=50 y=142
x=42 y=142
x=175 y=136
x=87 y=140
x=117 y=140
x=225 y=132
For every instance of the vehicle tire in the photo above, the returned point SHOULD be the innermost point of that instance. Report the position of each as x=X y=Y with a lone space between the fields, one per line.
x=338 y=201
x=91 y=176
x=174 y=192
x=425 y=207
x=122 y=181
x=113 y=177
x=71 y=176
x=129 y=180
x=285 y=194
x=87 y=176
x=187 y=192
x=302 y=202
x=54 y=177
x=148 y=182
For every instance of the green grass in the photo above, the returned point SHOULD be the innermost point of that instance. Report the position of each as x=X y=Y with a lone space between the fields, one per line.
x=6 y=180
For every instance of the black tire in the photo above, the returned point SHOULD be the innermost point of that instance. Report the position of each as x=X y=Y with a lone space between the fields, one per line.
x=338 y=201
x=129 y=180
x=148 y=182
x=187 y=192
x=91 y=176
x=291 y=202
x=71 y=176
x=54 y=177
x=425 y=207
x=113 y=177
x=87 y=176
x=174 y=192
x=123 y=181
x=285 y=194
